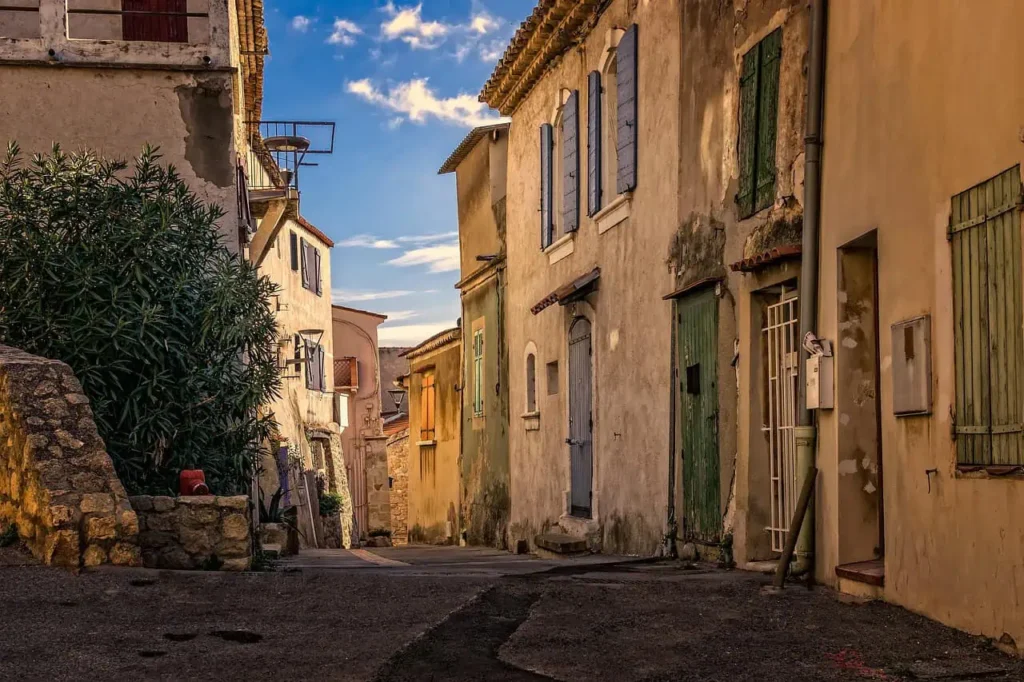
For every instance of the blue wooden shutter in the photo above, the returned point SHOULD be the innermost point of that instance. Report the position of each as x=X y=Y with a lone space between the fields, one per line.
x=316 y=272
x=627 y=110
x=304 y=252
x=547 y=218
x=767 y=118
x=749 y=89
x=571 y=163
x=593 y=143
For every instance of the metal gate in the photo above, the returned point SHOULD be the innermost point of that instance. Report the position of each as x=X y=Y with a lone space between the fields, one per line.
x=698 y=374
x=782 y=355
x=581 y=418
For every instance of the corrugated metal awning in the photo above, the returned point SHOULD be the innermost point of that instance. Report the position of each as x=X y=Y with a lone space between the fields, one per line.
x=575 y=290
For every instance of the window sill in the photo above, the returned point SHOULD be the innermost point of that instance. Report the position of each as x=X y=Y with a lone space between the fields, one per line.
x=994 y=472
x=561 y=249
x=426 y=444
x=531 y=421
x=614 y=213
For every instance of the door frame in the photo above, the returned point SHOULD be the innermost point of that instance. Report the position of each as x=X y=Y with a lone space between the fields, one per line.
x=572 y=312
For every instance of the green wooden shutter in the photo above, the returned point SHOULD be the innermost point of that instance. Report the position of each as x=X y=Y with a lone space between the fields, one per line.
x=767 y=118
x=988 y=341
x=478 y=373
x=749 y=88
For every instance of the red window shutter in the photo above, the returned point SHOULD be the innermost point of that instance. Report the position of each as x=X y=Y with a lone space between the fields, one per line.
x=169 y=26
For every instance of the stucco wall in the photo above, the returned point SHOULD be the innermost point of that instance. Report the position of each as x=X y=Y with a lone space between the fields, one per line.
x=632 y=324
x=117 y=111
x=480 y=184
x=299 y=309
x=434 y=465
x=905 y=130
x=57 y=482
x=485 y=453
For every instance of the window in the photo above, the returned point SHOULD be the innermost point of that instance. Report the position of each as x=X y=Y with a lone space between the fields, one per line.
x=293 y=242
x=559 y=158
x=759 y=108
x=478 y=373
x=531 y=383
x=311 y=275
x=157 y=20
x=427 y=400
x=988 y=340
x=553 y=378
x=306 y=264
x=315 y=378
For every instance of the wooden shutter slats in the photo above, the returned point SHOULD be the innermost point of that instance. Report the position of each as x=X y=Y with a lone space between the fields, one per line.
x=571 y=163
x=594 y=142
x=304 y=255
x=164 y=28
x=767 y=119
x=626 y=92
x=749 y=88
x=547 y=225
x=316 y=271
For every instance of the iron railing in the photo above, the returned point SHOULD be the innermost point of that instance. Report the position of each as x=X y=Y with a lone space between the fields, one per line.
x=280 y=149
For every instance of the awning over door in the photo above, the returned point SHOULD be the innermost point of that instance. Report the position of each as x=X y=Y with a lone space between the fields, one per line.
x=576 y=290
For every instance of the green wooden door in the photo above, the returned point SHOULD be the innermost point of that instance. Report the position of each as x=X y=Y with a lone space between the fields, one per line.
x=697 y=318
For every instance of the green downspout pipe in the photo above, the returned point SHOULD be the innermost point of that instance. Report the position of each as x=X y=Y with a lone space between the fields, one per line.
x=806 y=433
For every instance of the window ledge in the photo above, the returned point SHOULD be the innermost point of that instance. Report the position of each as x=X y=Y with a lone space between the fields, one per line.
x=531 y=421
x=614 y=213
x=426 y=443
x=561 y=249
x=994 y=472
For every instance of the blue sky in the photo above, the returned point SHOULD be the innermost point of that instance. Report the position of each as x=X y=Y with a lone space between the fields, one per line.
x=401 y=81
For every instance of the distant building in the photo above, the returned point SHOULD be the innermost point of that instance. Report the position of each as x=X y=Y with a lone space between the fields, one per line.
x=394 y=398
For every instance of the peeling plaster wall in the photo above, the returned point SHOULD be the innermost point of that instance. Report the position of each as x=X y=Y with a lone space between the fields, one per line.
x=632 y=324
x=117 y=111
x=923 y=101
x=711 y=235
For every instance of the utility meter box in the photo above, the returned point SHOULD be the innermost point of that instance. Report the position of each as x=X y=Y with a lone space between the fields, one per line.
x=820 y=382
x=912 y=367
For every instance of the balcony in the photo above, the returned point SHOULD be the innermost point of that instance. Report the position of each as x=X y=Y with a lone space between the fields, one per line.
x=279 y=150
x=162 y=33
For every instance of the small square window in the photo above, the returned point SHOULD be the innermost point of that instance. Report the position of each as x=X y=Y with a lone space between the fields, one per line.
x=693 y=379
x=553 y=378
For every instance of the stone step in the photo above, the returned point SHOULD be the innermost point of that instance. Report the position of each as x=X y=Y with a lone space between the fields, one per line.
x=560 y=543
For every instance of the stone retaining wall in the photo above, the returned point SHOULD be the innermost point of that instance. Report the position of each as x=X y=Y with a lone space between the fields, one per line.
x=195 y=533
x=398 y=469
x=57 y=482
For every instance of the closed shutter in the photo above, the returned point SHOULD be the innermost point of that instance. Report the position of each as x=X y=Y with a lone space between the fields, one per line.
x=321 y=374
x=245 y=218
x=316 y=272
x=547 y=217
x=626 y=85
x=748 y=131
x=478 y=373
x=988 y=340
x=767 y=118
x=310 y=364
x=593 y=143
x=293 y=243
x=304 y=252
x=163 y=21
x=571 y=162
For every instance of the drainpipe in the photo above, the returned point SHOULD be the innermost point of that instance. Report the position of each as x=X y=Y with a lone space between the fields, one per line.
x=806 y=433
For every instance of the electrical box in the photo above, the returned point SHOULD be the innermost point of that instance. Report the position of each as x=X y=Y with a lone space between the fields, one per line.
x=912 y=367
x=820 y=382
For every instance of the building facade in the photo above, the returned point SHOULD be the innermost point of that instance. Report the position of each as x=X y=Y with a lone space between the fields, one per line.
x=435 y=416
x=480 y=164
x=72 y=75
x=358 y=389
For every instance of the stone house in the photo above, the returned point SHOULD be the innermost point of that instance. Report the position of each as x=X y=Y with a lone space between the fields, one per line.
x=435 y=416
x=73 y=73
x=357 y=386
x=920 y=293
x=479 y=164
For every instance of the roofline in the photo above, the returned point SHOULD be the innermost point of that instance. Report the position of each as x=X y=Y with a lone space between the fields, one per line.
x=357 y=310
x=315 y=231
x=468 y=144
x=433 y=343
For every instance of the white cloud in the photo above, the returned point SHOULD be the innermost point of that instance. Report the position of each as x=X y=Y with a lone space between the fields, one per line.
x=418 y=102
x=407 y=24
x=400 y=315
x=483 y=24
x=427 y=238
x=344 y=296
x=492 y=51
x=410 y=334
x=301 y=23
x=395 y=123
x=437 y=258
x=344 y=33
x=368 y=241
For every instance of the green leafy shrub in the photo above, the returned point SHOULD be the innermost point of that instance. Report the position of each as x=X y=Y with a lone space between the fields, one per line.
x=330 y=504
x=120 y=272
x=9 y=536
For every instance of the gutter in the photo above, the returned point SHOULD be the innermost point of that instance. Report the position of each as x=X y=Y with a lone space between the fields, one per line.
x=806 y=432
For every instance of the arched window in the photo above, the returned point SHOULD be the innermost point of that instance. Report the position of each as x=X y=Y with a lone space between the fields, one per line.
x=531 y=383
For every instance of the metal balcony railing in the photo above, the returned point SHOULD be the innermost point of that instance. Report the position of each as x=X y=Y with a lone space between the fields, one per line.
x=281 y=149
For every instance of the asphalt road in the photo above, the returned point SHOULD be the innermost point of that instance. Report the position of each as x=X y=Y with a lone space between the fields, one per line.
x=462 y=614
